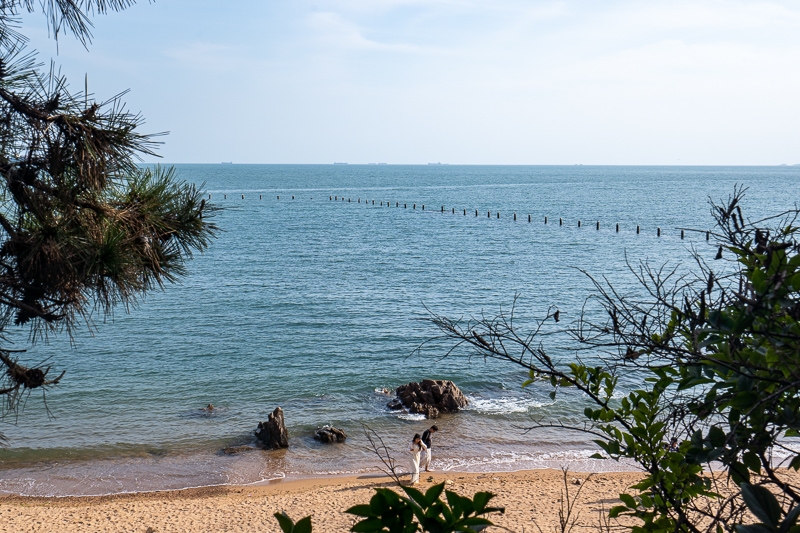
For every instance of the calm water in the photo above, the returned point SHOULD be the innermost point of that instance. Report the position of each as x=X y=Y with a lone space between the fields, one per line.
x=312 y=305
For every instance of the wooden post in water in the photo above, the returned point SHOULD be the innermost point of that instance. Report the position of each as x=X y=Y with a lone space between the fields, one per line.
x=681 y=234
x=292 y=196
x=707 y=235
x=579 y=223
x=442 y=209
x=243 y=197
x=637 y=229
x=348 y=200
x=465 y=211
x=476 y=212
x=259 y=197
x=658 y=232
x=488 y=214
x=545 y=220
x=617 y=227
x=209 y=197
x=515 y=216
x=373 y=202
x=454 y=211
x=415 y=206
x=329 y=197
x=498 y=214
x=598 y=225
x=423 y=207
x=529 y=219
x=397 y=204
x=560 y=222
x=226 y=197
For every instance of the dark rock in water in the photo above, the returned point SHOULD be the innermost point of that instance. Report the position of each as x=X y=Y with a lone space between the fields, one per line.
x=422 y=408
x=431 y=397
x=272 y=433
x=395 y=404
x=330 y=434
x=233 y=450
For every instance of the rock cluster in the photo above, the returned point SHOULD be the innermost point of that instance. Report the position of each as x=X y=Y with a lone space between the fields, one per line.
x=429 y=398
x=330 y=434
x=272 y=433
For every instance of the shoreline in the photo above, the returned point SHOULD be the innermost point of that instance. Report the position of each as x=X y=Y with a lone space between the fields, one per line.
x=528 y=495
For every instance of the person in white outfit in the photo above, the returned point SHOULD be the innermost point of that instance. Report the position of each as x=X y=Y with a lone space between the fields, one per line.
x=426 y=440
x=416 y=449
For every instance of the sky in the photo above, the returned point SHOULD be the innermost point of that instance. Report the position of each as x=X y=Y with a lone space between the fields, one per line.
x=703 y=82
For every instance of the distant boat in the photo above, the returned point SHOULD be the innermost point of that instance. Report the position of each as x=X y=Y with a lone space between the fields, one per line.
x=338 y=163
x=226 y=163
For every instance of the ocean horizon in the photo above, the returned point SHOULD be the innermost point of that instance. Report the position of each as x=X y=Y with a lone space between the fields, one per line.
x=317 y=295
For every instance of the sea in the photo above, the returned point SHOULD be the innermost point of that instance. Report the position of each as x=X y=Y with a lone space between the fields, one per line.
x=318 y=294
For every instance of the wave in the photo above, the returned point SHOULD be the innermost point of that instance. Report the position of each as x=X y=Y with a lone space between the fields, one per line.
x=496 y=406
x=510 y=461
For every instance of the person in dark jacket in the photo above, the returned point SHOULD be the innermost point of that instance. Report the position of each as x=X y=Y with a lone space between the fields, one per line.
x=426 y=438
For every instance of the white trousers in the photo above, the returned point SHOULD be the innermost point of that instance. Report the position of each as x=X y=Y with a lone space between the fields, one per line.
x=425 y=462
x=415 y=468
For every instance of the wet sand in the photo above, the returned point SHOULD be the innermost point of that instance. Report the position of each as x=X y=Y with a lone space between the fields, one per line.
x=531 y=498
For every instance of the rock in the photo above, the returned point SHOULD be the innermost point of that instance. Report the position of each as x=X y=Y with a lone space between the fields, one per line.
x=233 y=450
x=428 y=410
x=272 y=433
x=430 y=397
x=395 y=404
x=330 y=434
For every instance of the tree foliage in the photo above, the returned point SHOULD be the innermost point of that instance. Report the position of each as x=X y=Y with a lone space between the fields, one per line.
x=82 y=225
x=718 y=351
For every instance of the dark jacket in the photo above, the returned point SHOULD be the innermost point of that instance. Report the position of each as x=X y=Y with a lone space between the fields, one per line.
x=426 y=437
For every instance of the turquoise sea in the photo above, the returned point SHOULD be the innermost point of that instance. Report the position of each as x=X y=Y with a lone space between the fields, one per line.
x=316 y=304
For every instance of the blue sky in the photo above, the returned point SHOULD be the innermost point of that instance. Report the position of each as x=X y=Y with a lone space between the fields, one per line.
x=457 y=81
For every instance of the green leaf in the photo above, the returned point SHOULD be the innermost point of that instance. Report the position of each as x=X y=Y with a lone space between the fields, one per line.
x=628 y=500
x=416 y=495
x=716 y=437
x=433 y=493
x=303 y=525
x=454 y=501
x=480 y=500
x=360 y=510
x=615 y=511
x=378 y=505
x=285 y=522
x=751 y=461
x=762 y=503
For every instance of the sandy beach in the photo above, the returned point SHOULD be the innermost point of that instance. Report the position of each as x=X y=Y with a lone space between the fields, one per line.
x=531 y=498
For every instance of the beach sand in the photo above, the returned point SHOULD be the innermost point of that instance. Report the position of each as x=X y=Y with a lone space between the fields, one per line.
x=530 y=497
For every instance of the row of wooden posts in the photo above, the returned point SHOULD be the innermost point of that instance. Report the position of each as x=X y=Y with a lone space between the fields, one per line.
x=488 y=213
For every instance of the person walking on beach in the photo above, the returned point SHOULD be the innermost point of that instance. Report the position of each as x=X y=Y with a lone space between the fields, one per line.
x=426 y=439
x=416 y=449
